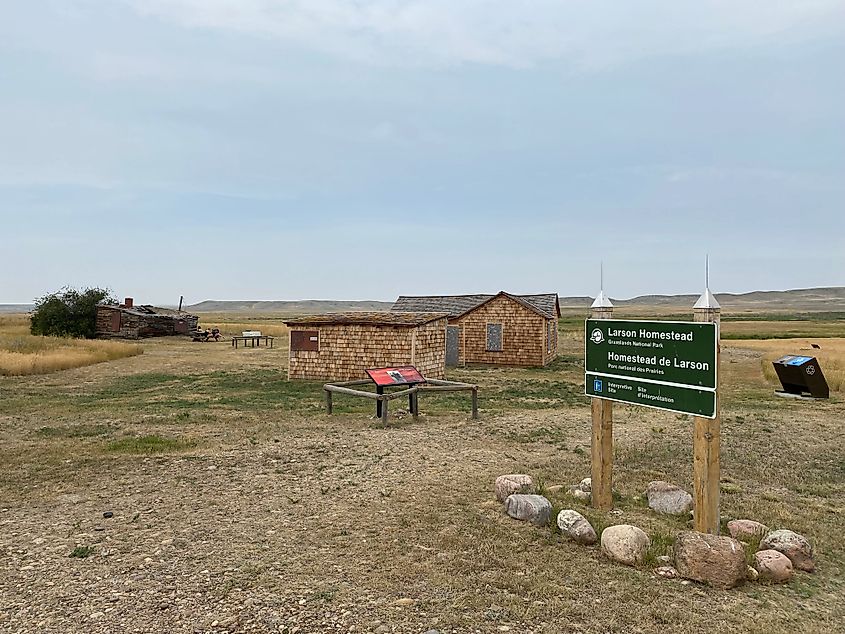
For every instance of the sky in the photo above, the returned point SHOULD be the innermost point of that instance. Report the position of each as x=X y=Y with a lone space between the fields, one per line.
x=331 y=149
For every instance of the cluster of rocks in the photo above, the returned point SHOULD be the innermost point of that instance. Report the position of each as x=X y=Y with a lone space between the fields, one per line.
x=582 y=491
x=719 y=561
x=516 y=492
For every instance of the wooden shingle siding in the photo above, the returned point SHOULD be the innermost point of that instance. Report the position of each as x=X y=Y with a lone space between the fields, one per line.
x=523 y=334
x=346 y=350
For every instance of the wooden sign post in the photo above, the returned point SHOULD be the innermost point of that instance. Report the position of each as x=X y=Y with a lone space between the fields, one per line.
x=707 y=437
x=667 y=365
x=601 y=446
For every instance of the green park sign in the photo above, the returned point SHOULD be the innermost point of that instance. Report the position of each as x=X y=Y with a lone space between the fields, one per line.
x=669 y=365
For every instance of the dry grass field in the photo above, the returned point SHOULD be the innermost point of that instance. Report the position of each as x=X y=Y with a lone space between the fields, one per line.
x=240 y=506
x=22 y=353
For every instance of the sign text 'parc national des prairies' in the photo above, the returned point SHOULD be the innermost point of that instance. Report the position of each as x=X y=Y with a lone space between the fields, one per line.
x=663 y=364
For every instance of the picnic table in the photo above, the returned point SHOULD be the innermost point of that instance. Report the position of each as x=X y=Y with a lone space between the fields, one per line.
x=254 y=337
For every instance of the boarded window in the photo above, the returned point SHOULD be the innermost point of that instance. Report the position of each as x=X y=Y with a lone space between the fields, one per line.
x=551 y=336
x=304 y=341
x=494 y=337
x=115 y=321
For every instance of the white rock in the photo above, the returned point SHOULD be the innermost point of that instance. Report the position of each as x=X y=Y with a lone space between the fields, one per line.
x=513 y=483
x=529 y=508
x=667 y=498
x=576 y=527
x=576 y=492
x=667 y=572
x=625 y=544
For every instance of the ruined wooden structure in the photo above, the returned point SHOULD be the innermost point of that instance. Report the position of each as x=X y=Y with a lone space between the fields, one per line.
x=127 y=321
x=501 y=329
x=340 y=346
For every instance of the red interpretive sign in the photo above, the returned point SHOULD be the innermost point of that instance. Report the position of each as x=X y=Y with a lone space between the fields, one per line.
x=402 y=375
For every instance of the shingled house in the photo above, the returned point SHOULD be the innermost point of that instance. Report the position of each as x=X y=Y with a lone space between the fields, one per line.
x=501 y=329
x=340 y=346
x=127 y=321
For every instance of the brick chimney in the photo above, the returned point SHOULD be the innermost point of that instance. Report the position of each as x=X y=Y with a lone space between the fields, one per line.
x=128 y=302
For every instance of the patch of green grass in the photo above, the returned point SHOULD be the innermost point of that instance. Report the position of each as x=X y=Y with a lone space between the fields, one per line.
x=555 y=437
x=75 y=431
x=662 y=544
x=148 y=445
x=81 y=552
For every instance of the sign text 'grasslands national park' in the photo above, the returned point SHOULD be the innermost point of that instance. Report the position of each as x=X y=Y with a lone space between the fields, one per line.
x=664 y=364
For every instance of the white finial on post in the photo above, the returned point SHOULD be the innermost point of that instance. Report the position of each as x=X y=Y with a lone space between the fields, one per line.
x=602 y=302
x=707 y=301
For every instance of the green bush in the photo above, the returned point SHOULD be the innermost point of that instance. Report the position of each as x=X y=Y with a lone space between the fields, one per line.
x=69 y=312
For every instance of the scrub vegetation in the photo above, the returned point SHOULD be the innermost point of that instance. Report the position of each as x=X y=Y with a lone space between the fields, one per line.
x=22 y=353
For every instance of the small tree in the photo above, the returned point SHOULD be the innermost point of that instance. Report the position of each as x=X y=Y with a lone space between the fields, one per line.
x=69 y=312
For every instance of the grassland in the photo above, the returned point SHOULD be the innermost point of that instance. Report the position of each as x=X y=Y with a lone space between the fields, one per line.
x=240 y=506
x=22 y=353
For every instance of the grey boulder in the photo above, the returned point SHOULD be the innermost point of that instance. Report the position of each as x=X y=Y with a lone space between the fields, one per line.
x=576 y=527
x=667 y=498
x=529 y=508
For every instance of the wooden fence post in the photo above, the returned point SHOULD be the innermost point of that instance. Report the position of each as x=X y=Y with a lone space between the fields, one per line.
x=328 y=402
x=707 y=435
x=602 y=439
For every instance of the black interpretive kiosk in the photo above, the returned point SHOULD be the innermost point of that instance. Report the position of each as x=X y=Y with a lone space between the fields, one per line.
x=799 y=375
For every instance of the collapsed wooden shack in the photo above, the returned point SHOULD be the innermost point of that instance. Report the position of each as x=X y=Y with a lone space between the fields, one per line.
x=127 y=321
x=501 y=329
x=340 y=346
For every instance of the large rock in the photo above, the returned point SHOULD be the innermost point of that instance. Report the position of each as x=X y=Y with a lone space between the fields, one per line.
x=746 y=529
x=793 y=545
x=717 y=561
x=576 y=527
x=772 y=566
x=625 y=544
x=514 y=483
x=667 y=498
x=529 y=508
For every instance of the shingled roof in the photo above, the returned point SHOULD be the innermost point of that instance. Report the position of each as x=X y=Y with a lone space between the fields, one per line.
x=363 y=318
x=457 y=305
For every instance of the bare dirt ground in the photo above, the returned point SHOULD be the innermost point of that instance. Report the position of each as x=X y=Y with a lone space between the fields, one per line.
x=239 y=506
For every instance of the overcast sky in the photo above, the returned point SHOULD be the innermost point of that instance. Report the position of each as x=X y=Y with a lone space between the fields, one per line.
x=289 y=149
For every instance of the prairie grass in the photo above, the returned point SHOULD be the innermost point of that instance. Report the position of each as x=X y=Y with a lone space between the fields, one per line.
x=230 y=328
x=831 y=356
x=23 y=354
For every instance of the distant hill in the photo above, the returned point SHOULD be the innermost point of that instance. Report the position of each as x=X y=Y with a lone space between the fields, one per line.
x=301 y=307
x=805 y=299
x=16 y=308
